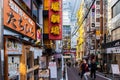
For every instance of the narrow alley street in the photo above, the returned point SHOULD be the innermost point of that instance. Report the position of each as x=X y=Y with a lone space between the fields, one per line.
x=54 y=39
x=73 y=75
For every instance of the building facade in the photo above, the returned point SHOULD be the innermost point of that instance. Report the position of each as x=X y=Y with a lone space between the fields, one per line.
x=112 y=40
x=22 y=38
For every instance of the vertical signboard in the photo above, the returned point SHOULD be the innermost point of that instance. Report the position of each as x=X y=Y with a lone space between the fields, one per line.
x=39 y=36
x=55 y=20
x=17 y=20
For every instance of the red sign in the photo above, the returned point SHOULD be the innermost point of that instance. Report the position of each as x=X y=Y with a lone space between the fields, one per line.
x=55 y=20
x=16 y=19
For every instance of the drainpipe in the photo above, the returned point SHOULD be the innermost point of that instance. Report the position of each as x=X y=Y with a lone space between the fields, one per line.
x=101 y=25
x=1 y=40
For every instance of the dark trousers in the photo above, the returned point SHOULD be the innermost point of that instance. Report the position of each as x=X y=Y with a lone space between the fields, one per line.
x=82 y=73
x=93 y=74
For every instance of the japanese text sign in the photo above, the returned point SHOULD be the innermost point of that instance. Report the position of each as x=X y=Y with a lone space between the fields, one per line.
x=16 y=19
x=55 y=19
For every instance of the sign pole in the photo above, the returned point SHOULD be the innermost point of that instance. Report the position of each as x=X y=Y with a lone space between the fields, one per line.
x=1 y=40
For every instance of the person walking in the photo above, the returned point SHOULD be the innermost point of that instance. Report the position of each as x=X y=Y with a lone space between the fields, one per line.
x=84 y=69
x=80 y=68
x=93 y=68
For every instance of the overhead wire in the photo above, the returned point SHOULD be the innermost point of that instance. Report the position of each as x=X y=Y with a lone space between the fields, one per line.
x=74 y=32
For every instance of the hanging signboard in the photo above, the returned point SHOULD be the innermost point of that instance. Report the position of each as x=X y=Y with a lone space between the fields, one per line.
x=55 y=20
x=16 y=19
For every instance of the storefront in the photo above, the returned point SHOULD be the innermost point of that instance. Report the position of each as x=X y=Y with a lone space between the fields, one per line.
x=22 y=59
x=13 y=52
x=112 y=54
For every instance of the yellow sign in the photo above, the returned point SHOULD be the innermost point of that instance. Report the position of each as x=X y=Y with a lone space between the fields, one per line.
x=55 y=18
x=55 y=30
x=97 y=32
x=55 y=6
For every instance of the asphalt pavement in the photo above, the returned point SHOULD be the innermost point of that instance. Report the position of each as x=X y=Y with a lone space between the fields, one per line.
x=72 y=74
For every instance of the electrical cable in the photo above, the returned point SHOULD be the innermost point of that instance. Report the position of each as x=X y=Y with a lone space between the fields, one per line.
x=74 y=32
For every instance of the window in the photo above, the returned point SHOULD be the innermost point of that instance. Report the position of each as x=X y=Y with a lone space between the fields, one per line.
x=34 y=11
x=24 y=5
x=97 y=2
x=115 y=9
x=28 y=3
x=97 y=19
x=115 y=34
x=97 y=11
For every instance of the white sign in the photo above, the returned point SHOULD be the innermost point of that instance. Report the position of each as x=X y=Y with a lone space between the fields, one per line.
x=115 y=68
x=113 y=50
x=53 y=69
x=13 y=66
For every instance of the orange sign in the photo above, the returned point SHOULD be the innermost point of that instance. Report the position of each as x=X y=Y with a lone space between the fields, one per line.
x=16 y=19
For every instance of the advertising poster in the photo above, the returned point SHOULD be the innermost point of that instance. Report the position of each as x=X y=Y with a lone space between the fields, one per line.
x=42 y=62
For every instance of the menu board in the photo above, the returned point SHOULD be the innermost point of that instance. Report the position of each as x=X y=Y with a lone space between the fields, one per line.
x=115 y=68
x=53 y=69
x=13 y=67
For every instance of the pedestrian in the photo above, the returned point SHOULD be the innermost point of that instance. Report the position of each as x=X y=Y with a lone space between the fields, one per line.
x=69 y=63
x=84 y=69
x=93 y=68
x=80 y=67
